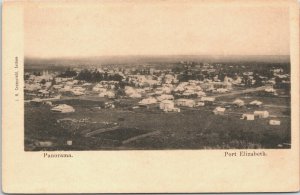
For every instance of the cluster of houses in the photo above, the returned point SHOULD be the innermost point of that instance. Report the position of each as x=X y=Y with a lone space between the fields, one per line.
x=257 y=114
x=153 y=87
x=139 y=85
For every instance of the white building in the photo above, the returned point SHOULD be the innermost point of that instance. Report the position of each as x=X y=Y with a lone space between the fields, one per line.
x=186 y=102
x=255 y=103
x=219 y=110
x=200 y=93
x=222 y=90
x=165 y=97
x=239 y=102
x=200 y=104
x=248 y=117
x=261 y=114
x=274 y=122
x=147 y=101
x=166 y=105
x=63 y=108
x=208 y=100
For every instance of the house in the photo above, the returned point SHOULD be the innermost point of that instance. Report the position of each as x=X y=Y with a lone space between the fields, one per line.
x=166 y=105
x=48 y=84
x=219 y=110
x=186 y=102
x=132 y=92
x=63 y=108
x=200 y=93
x=165 y=97
x=66 y=88
x=149 y=100
x=158 y=91
x=165 y=89
x=87 y=84
x=77 y=92
x=98 y=88
x=208 y=100
x=200 y=104
x=270 y=90
x=255 y=103
x=32 y=87
x=172 y=110
x=110 y=94
x=216 y=85
x=102 y=94
x=48 y=103
x=109 y=105
x=237 y=81
x=239 y=102
x=222 y=90
x=43 y=93
x=36 y=101
x=248 y=117
x=261 y=114
x=57 y=86
x=44 y=143
x=188 y=93
x=274 y=122
x=179 y=88
x=135 y=95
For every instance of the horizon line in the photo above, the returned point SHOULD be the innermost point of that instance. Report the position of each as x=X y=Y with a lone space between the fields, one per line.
x=150 y=55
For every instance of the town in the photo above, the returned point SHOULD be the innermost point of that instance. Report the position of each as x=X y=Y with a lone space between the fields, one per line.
x=176 y=105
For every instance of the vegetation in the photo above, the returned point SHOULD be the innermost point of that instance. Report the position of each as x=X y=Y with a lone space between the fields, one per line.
x=96 y=76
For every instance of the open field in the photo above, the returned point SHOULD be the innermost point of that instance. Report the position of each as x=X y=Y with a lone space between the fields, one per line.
x=192 y=128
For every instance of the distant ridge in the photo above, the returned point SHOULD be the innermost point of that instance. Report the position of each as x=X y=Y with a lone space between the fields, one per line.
x=136 y=59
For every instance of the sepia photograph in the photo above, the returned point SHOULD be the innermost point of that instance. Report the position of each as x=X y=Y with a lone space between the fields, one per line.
x=152 y=96
x=184 y=78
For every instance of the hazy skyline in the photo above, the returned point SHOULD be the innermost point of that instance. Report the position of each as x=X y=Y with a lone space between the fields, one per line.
x=159 y=28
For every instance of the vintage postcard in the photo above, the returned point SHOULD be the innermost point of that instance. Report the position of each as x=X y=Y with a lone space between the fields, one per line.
x=150 y=96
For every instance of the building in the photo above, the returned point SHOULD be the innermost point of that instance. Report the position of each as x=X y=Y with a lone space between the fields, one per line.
x=132 y=92
x=216 y=85
x=36 y=101
x=165 y=97
x=248 y=117
x=271 y=91
x=219 y=110
x=255 y=103
x=239 y=102
x=261 y=114
x=200 y=104
x=172 y=110
x=63 y=108
x=147 y=101
x=78 y=91
x=110 y=94
x=186 y=102
x=222 y=90
x=200 y=93
x=166 y=105
x=208 y=100
x=43 y=93
x=274 y=122
x=135 y=95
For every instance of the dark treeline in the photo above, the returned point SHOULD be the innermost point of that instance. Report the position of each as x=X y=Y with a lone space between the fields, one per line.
x=68 y=73
x=96 y=76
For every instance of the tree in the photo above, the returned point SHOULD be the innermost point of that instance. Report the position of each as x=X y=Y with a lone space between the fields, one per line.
x=68 y=73
x=43 y=82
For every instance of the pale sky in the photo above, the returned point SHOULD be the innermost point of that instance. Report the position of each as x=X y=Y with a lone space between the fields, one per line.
x=82 y=30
